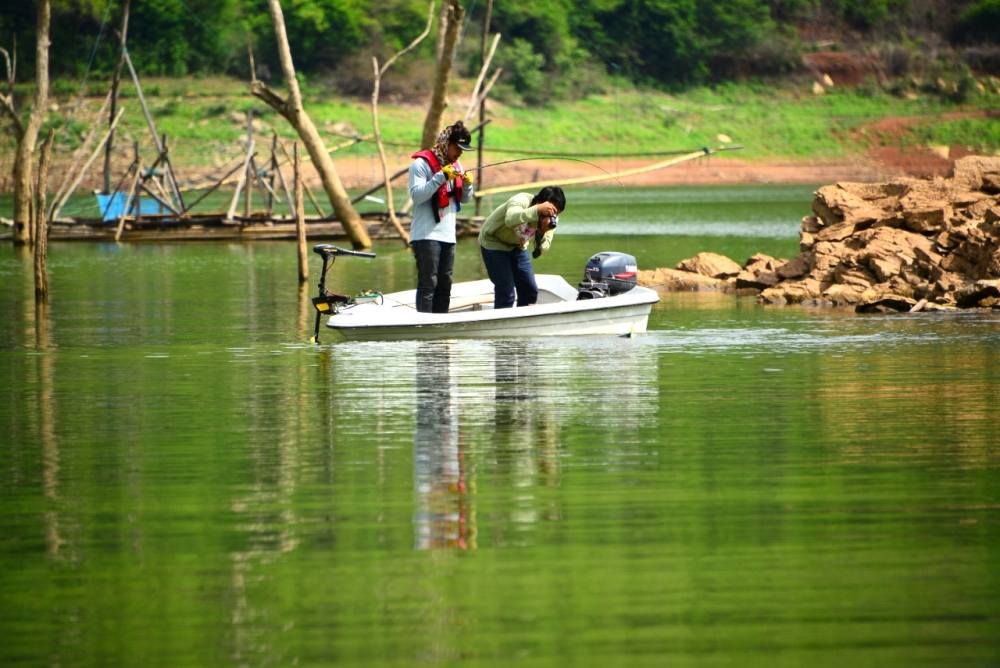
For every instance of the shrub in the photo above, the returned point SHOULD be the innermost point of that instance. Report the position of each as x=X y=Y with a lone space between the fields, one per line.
x=980 y=22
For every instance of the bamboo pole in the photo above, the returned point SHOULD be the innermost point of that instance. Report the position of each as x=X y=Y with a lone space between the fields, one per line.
x=284 y=189
x=272 y=166
x=214 y=187
x=300 y=220
x=149 y=122
x=593 y=179
x=487 y=59
x=128 y=200
x=487 y=16
x=78 y=154
x=305 y=185
x=481 y=97
x=115 y=83
x=83 y=170
x=41 y=222
x=386 y=179
x=252 y=174
x=231 y=213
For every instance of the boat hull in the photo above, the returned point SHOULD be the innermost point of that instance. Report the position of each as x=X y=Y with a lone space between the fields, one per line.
x=558 y=315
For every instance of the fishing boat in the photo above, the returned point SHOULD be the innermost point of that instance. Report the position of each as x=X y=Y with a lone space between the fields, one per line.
x=607 y=301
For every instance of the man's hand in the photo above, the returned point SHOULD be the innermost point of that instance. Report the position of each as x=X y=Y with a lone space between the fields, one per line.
x=449 y=172
x=467 y=177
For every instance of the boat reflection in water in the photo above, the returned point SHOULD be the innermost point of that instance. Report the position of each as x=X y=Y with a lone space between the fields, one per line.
x=442 y=510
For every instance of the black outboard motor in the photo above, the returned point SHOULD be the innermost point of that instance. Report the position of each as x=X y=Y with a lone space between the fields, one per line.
x=608 y=274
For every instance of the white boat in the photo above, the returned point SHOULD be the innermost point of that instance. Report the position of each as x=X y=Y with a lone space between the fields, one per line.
x=559 y=311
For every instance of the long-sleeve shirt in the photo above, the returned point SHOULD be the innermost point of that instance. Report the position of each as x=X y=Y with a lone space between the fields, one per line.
x=512 y=225
x=424 y=185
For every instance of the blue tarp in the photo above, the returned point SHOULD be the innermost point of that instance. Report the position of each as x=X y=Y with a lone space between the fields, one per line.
x=147 y=205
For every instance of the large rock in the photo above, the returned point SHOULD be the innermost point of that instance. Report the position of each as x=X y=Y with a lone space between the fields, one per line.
x=677 y=280
x=975 y=171
x=883 y=246
x=710 y=264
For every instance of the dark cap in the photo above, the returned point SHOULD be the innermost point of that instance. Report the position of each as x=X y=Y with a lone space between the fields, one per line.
x=459 y=135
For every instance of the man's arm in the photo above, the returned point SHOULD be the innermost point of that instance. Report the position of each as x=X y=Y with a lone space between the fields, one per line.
x=423 y=183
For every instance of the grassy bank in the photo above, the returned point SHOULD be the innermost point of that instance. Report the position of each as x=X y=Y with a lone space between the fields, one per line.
x=204 y=119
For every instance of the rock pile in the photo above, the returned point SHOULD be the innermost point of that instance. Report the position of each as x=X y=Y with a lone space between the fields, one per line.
x=907 y=244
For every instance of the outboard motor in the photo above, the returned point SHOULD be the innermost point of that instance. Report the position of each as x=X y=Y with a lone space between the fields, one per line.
x=608 y=274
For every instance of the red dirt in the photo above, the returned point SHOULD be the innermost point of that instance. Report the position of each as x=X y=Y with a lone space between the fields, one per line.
x=898 y=159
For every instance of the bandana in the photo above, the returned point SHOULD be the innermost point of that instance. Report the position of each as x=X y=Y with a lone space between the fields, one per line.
x=440 y=147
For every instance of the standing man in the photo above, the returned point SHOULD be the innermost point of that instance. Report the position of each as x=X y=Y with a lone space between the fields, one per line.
x=504 y=239
x=438 y=186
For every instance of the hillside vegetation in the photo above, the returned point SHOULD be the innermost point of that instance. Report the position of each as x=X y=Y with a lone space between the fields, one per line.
x=787 y=79
x=551 y=48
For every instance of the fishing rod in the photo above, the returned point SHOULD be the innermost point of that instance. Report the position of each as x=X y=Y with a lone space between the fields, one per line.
x=706 y=150
x=547 y=157
x=702 y=152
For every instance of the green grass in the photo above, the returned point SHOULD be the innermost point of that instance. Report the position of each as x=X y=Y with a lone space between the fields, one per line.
x=982 y=135
x=204 y=120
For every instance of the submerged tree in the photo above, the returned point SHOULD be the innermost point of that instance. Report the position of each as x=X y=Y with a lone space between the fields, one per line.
x=26 y=133
x=291 y=108
x=448 y=38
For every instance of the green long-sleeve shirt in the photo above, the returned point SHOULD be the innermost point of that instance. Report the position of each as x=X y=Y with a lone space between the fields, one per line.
x=512 y=225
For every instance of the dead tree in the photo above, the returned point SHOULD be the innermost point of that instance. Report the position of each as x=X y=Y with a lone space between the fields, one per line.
x=41 y=223
x=379 y=71
x=291 y=108
x=432 y=122
x=26 y=134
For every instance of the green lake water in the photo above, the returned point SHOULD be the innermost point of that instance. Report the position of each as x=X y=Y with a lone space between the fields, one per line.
x=185 y=481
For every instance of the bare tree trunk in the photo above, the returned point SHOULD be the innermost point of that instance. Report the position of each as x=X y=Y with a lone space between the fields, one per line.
x=432 y=122
x=291 y=108
x=41 y=221
x=300 y=221
x=26 y=143
x=377 y=130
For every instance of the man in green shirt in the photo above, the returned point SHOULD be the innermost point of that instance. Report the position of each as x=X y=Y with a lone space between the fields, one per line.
x=504 y=239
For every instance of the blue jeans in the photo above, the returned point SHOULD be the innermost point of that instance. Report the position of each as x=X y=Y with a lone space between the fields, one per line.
x=511 y=272
x=435 y=260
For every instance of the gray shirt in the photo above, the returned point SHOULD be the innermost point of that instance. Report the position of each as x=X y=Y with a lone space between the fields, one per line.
x=424 y=185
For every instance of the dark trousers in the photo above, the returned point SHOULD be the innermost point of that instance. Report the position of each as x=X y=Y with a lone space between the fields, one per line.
x=511 y=272
x=435 y=260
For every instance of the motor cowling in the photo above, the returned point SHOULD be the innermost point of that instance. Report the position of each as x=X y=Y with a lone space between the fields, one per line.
x=607 y=274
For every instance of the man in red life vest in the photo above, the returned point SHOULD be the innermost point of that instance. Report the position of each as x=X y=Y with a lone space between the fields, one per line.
x=438 y=186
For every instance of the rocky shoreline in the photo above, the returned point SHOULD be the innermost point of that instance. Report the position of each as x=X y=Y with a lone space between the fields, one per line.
x=901 y=245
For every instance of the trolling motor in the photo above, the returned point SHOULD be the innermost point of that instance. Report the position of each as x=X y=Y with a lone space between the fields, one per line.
x=326 y=301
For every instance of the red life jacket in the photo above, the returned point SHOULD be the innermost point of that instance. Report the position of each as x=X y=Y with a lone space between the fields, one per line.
x=445 y=191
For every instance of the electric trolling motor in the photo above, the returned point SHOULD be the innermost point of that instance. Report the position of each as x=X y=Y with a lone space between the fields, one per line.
x=327 y=302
